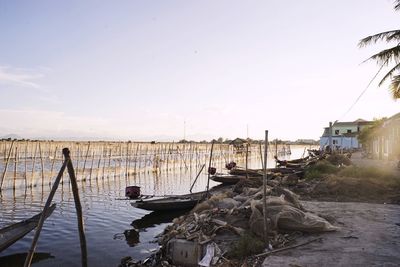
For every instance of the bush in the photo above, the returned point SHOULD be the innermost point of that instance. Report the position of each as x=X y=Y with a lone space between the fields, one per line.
x=247 y=245
x=320 y=169
x=367 y=172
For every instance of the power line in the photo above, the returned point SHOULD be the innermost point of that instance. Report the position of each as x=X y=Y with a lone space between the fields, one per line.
x=363 y=92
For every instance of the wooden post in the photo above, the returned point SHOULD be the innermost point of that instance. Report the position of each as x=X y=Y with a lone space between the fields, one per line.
x=209 y=165
x=29 y=257
x=84 y=162
x=78 y=205
x=247 y=157
x=5 y=167
x=126 y=159
x=99 y=162
x=91 y=166
x=41 y=163
x=265 y=180
x=33 y=163
x=202 y=167
x=77 y=159
x=15 y=166
x=25 y=160
x=53 y=161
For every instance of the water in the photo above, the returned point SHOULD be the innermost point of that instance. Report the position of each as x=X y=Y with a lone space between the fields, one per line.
x=107 y=216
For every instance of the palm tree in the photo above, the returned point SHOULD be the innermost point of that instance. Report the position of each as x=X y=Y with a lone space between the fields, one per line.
x=389 y=57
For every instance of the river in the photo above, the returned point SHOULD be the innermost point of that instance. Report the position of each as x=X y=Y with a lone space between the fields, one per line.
x=107 y=218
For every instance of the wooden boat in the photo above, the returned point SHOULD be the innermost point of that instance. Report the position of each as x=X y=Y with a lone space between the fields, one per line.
x=230 y=179
x=14 y=232
x=180 y=202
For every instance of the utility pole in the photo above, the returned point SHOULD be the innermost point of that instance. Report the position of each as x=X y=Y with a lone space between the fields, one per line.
x=330 y=136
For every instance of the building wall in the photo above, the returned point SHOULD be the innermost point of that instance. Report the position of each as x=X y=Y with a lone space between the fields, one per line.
x=338 y=130
x=386 y=144
x=342 y=142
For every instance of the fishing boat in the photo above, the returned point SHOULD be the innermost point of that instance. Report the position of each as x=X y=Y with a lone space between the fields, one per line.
x=228 y=179
x=179 y=202
x=14 y=232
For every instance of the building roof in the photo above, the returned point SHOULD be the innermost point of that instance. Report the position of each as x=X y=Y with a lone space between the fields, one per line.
x=348 y=123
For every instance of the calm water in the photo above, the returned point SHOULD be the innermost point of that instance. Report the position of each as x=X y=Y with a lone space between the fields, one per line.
x=106 y=216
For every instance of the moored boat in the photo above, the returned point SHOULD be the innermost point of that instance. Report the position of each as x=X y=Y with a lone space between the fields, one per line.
x=180 y=202
x=14 y=232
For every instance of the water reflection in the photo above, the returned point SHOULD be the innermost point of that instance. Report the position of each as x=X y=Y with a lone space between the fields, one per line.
x=155 y=218
x=18 y=259
x=104 y=215
x=131 y=237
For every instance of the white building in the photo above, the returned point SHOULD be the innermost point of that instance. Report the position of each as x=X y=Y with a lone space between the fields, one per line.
x=344 y=134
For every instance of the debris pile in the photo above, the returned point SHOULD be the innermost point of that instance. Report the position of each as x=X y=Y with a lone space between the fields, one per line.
x=229 y=216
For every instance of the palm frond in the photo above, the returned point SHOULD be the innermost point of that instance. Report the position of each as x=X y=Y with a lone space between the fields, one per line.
x=394 y=87
x=397 y=5
x=386 y=56
x=388 y=36
x=389 y=74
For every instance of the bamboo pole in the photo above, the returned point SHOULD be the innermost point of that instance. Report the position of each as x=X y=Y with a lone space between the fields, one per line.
x=265 y=181
x=195 y=180
x=247 y=157
x=33 y=163
x=78 y=158
x=15 y=166
x=53 y=161
x=29 y=257
x=78 y=206
x=84 y=162
x=109 y=161
x=128 y=157
x=209 y=166
x=41 y=163
x=5 y=167
x=99 y=162
x=91 y=167
x=25 y=166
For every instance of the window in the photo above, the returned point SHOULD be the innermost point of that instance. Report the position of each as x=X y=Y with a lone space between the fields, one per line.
x=336 y=132
x=348 y=130
x=335 y=142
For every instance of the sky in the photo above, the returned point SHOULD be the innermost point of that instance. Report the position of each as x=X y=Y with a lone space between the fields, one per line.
x=165 y=70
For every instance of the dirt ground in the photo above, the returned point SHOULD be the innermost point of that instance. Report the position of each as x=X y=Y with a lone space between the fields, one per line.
x=352 y=189
x=369 y=235
x=369 y=232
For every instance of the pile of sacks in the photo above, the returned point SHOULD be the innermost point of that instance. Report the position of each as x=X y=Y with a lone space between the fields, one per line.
x=239 y=211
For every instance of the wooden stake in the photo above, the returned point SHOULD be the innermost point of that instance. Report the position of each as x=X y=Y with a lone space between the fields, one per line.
x=265 y=181
x=53 y=161
x=5 y=167
x=84 y=162
x=15 y=166
x=29 y=257
x=78 y=205
x=91 y=167
x=209 y=165
x=26 y=158
x=41 y=163
x=247 y=157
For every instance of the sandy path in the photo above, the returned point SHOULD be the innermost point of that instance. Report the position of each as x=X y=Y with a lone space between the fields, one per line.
x=369 y=236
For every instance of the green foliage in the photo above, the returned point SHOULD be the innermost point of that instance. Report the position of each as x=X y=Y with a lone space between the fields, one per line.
x=247 y=245
x=388 y=57
x=367 y=133
x=320 y=169
x=367 y=172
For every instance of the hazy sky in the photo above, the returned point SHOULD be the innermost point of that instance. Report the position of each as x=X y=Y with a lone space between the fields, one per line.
x=140 y=69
